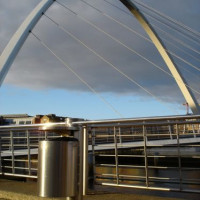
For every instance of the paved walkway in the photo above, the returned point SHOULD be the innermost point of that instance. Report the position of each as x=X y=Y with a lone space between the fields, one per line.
x=17 y=190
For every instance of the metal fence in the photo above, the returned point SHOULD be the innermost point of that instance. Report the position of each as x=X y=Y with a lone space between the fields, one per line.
x=19 y=149
x=160 y=153
x=153 y=153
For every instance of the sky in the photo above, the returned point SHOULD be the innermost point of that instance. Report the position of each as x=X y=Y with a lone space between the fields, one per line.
x=99 y=46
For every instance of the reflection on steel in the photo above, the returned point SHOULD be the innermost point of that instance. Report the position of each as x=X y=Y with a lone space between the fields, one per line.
x=145 y=155
x=19 y=154
x=12 y=150
x=116 y=154
x=57 y=168
x=187 y=93
x=81 y=172
x=85 y=160
x=0 y=158
x=156 y=120
x=29 y=152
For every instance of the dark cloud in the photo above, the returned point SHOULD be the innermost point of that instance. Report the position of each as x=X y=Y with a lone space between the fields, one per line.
x=36 y=68
x=12 y=14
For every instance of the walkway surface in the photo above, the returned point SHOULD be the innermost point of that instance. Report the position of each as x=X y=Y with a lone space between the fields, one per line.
x=18 y=190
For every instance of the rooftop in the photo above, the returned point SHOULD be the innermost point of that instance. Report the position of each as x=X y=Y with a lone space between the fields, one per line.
x=15 y=115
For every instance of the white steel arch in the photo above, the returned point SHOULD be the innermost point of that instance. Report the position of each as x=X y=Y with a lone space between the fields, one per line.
x=18 y=39
x=181 y=82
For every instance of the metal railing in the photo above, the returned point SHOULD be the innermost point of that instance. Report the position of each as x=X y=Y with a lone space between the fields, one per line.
x=19 y=147
x=151 y=153
x=160 y=153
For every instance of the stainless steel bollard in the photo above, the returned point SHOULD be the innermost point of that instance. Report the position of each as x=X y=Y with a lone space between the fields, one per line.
x=0 y=158
x=57 y=167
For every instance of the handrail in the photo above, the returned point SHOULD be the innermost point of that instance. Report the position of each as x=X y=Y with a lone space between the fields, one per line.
x=136 y=121
x=176 y=117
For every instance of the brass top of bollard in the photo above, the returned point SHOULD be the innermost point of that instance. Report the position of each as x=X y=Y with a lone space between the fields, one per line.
x=61 y=129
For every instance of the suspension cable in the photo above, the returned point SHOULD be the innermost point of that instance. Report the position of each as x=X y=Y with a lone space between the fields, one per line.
x=172 y=28
x=195 y=76
x=167 y=25
x=189 y=29
x=179 y=48
x=109 y=63
x=175 y=39
x=113 y=19
x=183 y=60
x=67 y=66
x=179 y=32
x=140 y=35
x=183 y=44
x=135 y=52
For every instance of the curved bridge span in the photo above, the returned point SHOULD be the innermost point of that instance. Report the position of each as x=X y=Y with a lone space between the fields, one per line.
x=22 y=33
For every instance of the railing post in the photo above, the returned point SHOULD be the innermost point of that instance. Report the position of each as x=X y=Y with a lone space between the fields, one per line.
x=184 y=128
x=170 y=130
x=80 y=179
x=120 y=136
x=29 y=151
x=12 y=151
x=93 y=154
x=85 y=160
x=145 y=155
x=132 y=132
x=193 y=130
x=179 y=157
x=0 y=158
x=116 y=155
x=45 y=135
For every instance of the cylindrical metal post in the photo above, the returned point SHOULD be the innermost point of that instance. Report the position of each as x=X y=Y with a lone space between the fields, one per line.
x=93 y=154
x=145 y=155
x=29 y=151
x=179 y=157
x=116 y=155
x=57 y=167
x=80 y=136
x=85 y=160
x=12 y=151
x=0 y=158
x=120 y=136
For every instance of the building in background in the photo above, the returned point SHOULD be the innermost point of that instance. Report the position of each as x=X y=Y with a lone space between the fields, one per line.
x=51 y=118
x=25 y=119
x=18 y=119
x=37 y=119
